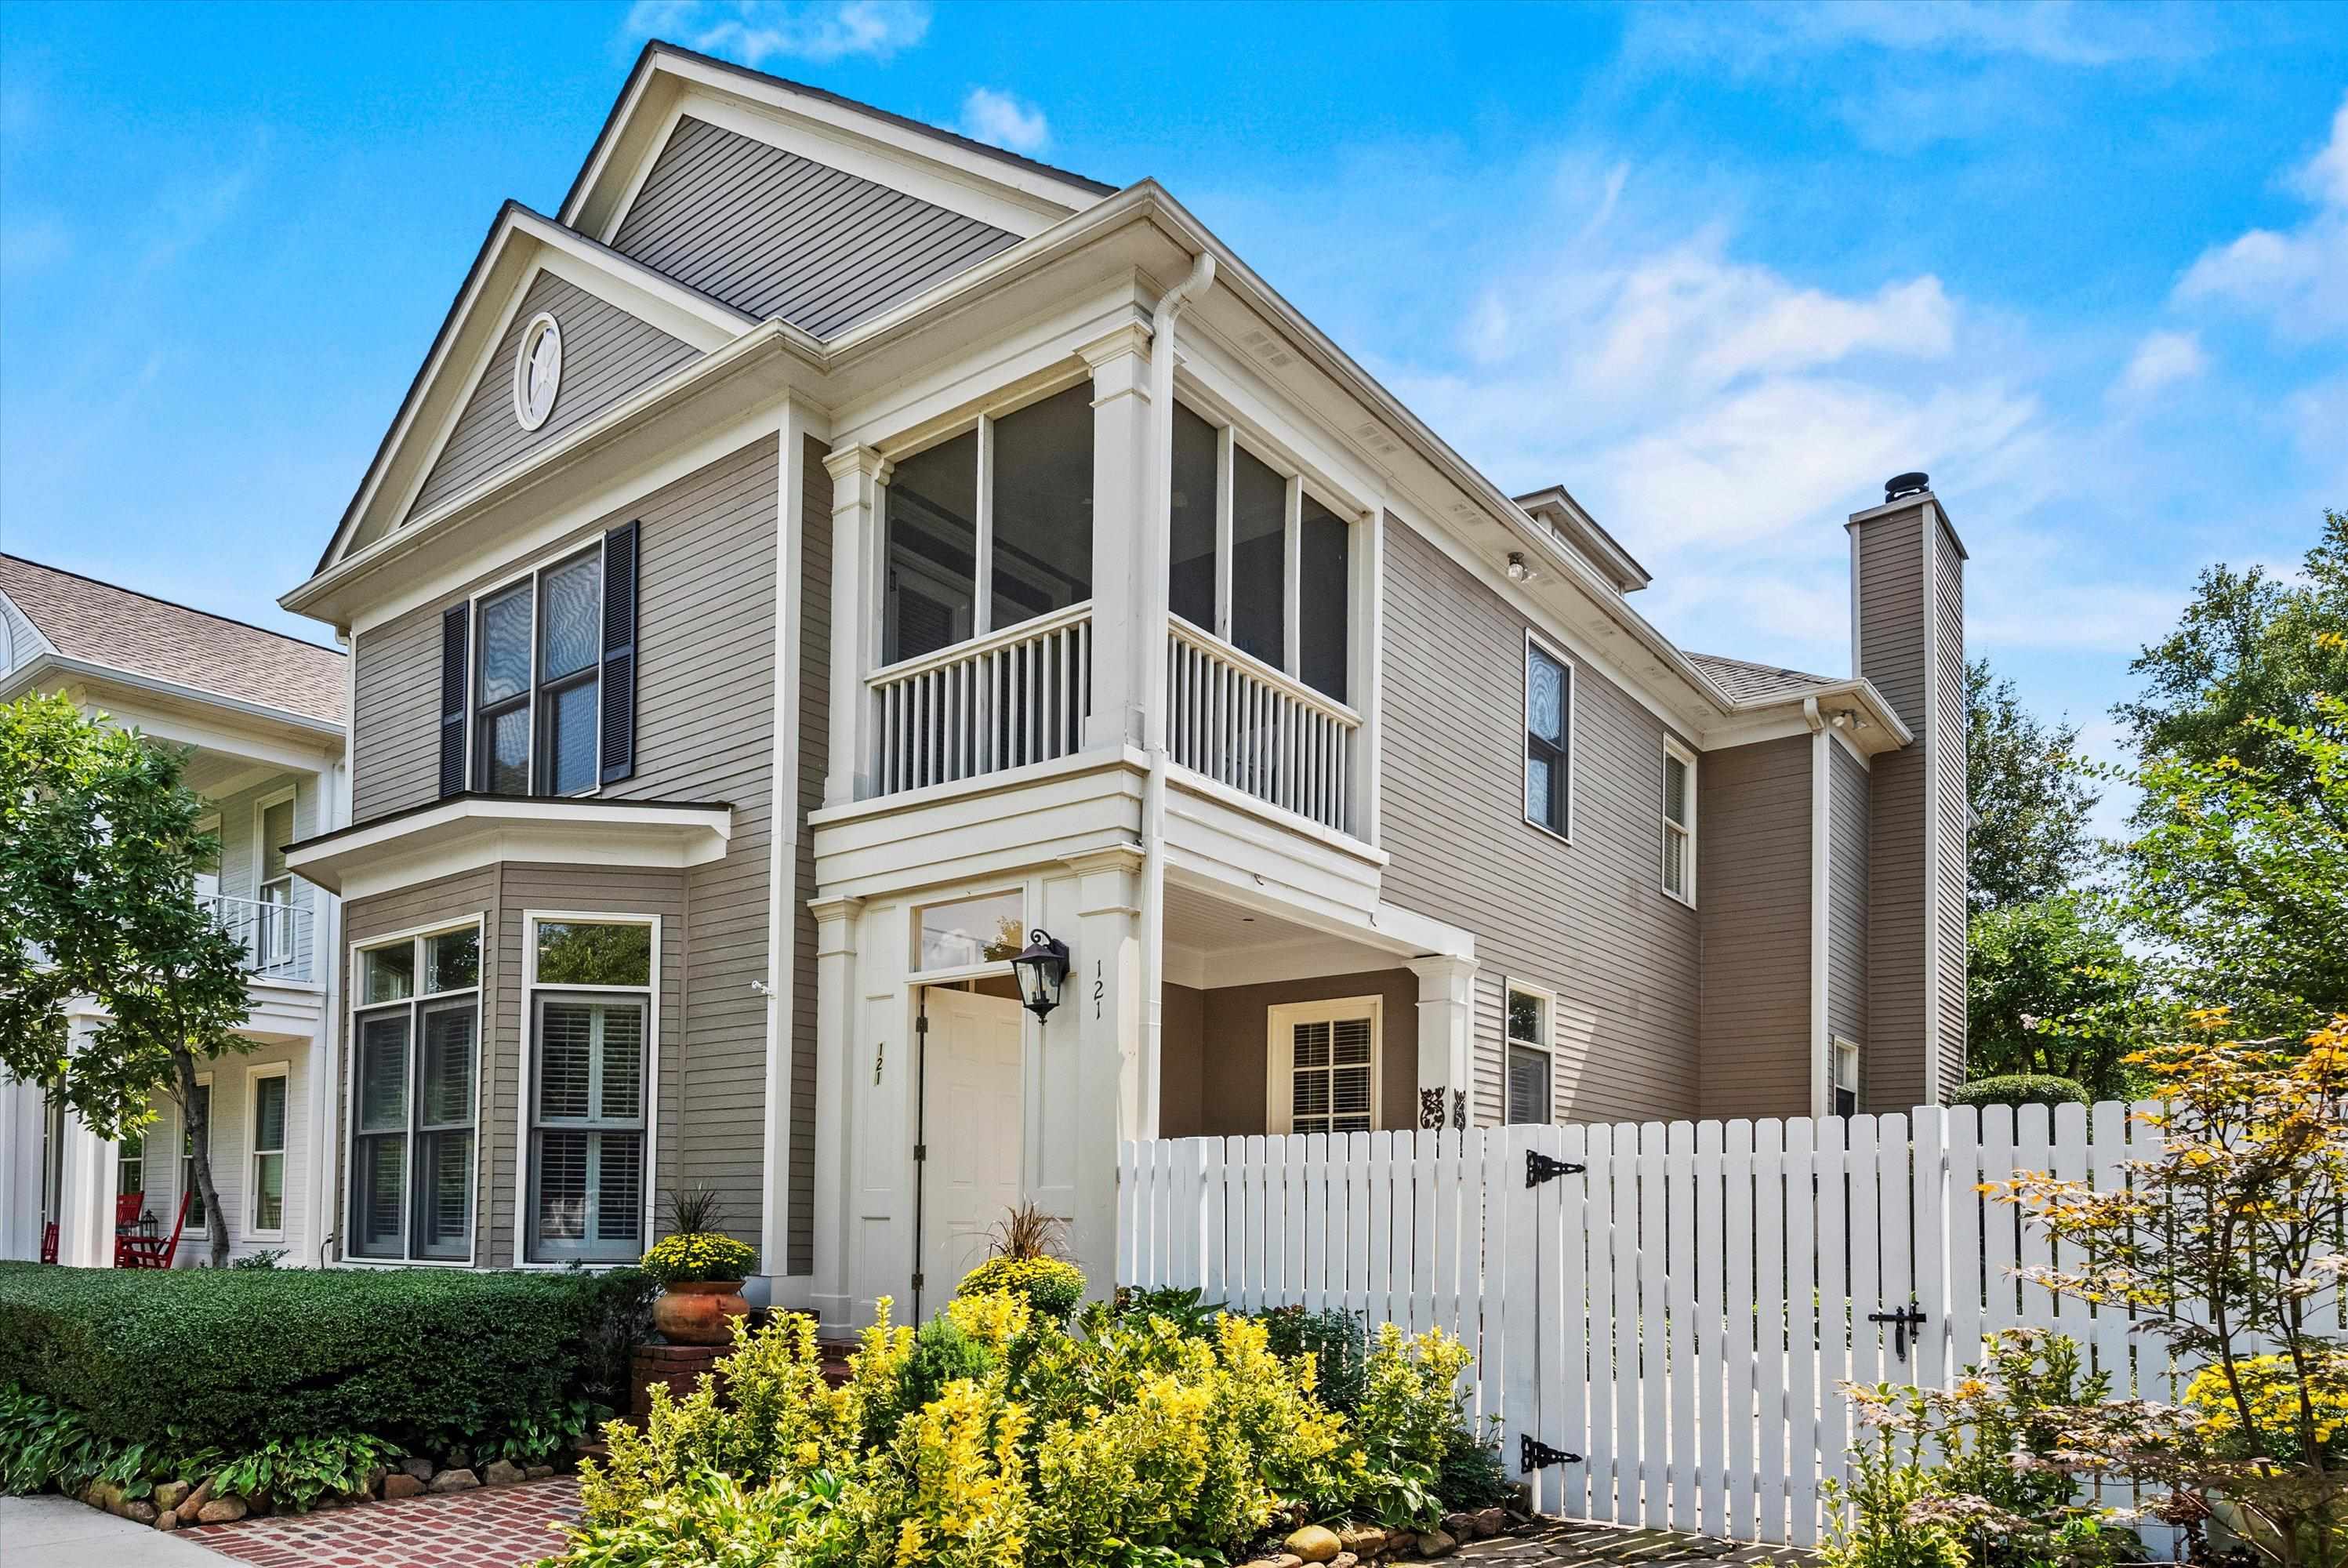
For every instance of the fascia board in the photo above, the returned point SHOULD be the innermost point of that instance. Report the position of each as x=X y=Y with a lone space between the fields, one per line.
x=322 y=734
x=469 y=832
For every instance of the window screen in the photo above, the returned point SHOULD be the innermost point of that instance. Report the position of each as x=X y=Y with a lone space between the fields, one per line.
x=1190 y=543
x=1259 y=559
x=933 y=513
x=1043 y=510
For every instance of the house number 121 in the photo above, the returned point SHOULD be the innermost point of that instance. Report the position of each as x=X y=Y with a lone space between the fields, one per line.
x=1099 y=987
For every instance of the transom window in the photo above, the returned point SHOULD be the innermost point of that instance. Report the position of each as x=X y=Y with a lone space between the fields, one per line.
x=591 y=1033
x=537 y=684
x=1679 y=823
x=1324 y=1059
x=988 y=929
x=1528 y=1088
x=1256 y=560
x=992 y=528
x=1548 y=740
x=267 y=1177
x=414 y=1065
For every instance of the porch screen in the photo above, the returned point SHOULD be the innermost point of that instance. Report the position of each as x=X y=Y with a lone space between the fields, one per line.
x=588 y=1145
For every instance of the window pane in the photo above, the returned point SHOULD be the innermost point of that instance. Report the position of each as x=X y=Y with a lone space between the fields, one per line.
x=1545 y=696
x=1324 y=590
x=382 y=1072
x=570 y=734
x=376 y=1196
x=203 y=1108
x=1258 y=558
x=1525 y=1018
x=620 y=1097
x=505 y=646
x=565 y=1060
x=1539 y=791
x=619 y=1189
x=1191 y=543
x=1675 y=790
x=1527 y=1085
x=388 y=974
x=276 y=832
x=504 y=744
x=444 y=1165
x=581 y=953
x=445 y=1098
x=269 y=1192
x=1674 y=862
x=1043 y=506
x=269 y=1115
x=561 y=1212
x=974 y=931
x=933 y=509
x=452 y=961
x=571 y=634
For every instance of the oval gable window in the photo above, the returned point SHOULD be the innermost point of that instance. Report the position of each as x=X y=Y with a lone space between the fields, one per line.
x=538 y=371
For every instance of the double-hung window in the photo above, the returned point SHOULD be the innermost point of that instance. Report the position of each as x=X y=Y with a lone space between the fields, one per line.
x=1529 y=1090
x=1323 y=1060
x=1548 y=740
x=130 y=1164
x=590 y=1037
x=537 y=682
x=266 y=1179
x=417 y=1029
x=275 y=825
x=1679 y=821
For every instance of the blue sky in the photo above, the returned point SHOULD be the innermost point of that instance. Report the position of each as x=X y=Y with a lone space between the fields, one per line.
x=1720 y=270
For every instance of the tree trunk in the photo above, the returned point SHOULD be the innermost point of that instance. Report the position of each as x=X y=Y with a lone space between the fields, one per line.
x=198 y=1123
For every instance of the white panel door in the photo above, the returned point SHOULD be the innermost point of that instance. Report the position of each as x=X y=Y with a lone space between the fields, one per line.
x=972 y=1176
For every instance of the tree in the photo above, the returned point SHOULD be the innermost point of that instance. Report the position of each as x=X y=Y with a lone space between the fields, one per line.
x=98 y=850
x=2249 y=646
x=2050 y=988
x=2030 y=797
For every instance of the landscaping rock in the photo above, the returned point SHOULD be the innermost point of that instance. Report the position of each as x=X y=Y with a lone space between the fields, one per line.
x=1438 y=1543
x=170 y=1494
x=193 y=1503
x=1261 y=1563
x=139 y=1510
x=221 y=1511
x=1315 y=1544
x=1288 y=1560
x=503 y=1472
x=374 y=1481
x=1344 y=1560
x=167 y=1519
x=1362 y=1540
x=421 y=1469
x=1459 y=1526
x=1491 y=1521
x=455 y=1481
x=537 y=1473
x=399 y=1483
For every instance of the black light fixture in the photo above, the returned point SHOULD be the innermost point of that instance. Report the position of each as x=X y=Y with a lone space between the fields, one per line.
x=1041 y=968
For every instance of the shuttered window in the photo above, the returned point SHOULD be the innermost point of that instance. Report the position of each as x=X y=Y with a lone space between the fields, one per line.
x=414 y=1098
x=591 y=1026
x=1679 y=823
x=1528 y=1060
x=1325 y=1067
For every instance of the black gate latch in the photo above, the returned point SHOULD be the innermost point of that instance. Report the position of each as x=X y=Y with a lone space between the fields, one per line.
x=1900 y=1322
x=1540 y=1168
x=1533 y=1454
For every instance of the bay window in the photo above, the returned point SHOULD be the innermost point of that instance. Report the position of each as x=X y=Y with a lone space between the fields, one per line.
x=590 y=991
x=415 y=1029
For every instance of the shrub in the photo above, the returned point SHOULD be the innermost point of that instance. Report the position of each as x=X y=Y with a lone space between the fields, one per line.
x=1338 y=1344
x=2022 y=1089
x=1052 y=1286
x=690 y=1257
x=707 y=1517
x=235 y=1360
x=1409 y=1421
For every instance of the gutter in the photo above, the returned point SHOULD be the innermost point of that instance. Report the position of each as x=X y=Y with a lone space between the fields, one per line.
x=1157 y=525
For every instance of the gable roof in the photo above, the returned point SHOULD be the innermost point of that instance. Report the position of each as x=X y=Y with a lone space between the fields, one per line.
x=1747 y=682
x=99 y=624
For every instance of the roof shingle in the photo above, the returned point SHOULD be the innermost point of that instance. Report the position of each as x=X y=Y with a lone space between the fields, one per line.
x=1747 y=682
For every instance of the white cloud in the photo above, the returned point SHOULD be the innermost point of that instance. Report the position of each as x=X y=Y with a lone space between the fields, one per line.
x=1002 y=120
x=755 y=31
x=2297 y=278
x=2160 y=361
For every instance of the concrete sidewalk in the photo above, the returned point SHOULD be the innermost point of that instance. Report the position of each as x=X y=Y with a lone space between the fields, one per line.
x=52 y=1532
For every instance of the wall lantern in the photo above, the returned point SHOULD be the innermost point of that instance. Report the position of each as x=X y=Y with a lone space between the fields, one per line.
x=1041 y=969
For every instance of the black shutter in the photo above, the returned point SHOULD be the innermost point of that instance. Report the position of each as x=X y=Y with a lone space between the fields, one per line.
x=619 y=758
x=456 y=629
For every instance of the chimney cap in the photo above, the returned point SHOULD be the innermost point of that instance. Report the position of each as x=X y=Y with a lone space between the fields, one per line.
x=1902 y=485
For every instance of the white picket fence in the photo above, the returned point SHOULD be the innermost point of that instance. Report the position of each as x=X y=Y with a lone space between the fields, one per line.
x=1678 y=1313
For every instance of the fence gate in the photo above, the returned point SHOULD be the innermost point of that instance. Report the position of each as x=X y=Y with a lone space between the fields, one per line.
x=1661 y=1314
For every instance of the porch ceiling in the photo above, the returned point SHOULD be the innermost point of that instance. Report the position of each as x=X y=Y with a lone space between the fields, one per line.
x=1208 y=925
x=1213 y=942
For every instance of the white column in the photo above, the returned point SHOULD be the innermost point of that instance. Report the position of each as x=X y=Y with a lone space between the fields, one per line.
x=1447 y=1033
x=22 y=1107
x=1104 y=993
x=858 y=549
x=835 y=990
x=1121 y=366
x=85 y=1198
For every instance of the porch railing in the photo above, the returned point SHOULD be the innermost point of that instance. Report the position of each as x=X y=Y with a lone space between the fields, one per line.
x=275 y=936
x=1244 y=724
x=1004 y=700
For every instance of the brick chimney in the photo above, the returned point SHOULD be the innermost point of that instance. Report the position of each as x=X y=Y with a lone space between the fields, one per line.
x=1908 y=637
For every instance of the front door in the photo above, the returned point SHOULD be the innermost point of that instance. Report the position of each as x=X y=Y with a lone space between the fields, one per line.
x=971 y=1179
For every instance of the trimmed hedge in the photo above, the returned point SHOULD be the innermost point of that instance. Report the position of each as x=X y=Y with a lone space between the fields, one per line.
x=2022 y=1089
x=236 y=1357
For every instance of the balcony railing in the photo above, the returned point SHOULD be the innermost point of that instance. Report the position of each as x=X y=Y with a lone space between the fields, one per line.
x=1004 y=700
x=275 y=936
x=1244 y=724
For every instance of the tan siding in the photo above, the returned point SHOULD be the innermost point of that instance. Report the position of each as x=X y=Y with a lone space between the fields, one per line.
x=1589 y=920
x=606 y=354
x=1214 y=1042
x=1950 y=811
x=1891 y=651
x=776 y=234
x=1753 y=878
x=815 y=761
x=1847 y=920
x=1897 y=912
x=395 y=739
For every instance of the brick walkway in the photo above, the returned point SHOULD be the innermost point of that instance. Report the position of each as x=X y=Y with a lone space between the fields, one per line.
x=495 y=1527
x=1564 y=1542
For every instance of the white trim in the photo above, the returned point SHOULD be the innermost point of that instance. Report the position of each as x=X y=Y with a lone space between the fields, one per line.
x=1685 y=755
x=1547 y=1044
x=1534 y=639
x=414 y=1002
x=466 y=834
x=253 y=1075
x=1280 y=1048
x=1821 y=923
x=266 y=941
x=526 y=1094
x=543 y=327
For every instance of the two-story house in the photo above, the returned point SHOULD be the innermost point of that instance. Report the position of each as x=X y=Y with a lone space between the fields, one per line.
x=262 y=716
x=827 y=551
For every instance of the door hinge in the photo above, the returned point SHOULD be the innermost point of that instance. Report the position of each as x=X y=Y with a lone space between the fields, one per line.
x=917 y=1279
x=1900 y=1322
x=921 y=1153
x=1540 y=1167
x=1533 y=1454
x=921 y=1023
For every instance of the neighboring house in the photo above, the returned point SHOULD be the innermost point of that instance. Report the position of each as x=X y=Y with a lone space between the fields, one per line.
x=263 y=715
x=827 y=550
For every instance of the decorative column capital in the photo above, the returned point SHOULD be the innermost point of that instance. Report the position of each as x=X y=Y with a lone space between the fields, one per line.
x=1443 y=977
x=1106 y=879
x=853 y=462
x=835 y=924
x=1128 y=340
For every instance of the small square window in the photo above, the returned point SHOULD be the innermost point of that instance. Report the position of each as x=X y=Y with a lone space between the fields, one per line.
x=591 y=952
x=988 y=930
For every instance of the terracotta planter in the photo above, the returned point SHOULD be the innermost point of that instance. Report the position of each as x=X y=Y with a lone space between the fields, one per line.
x=695 y=1312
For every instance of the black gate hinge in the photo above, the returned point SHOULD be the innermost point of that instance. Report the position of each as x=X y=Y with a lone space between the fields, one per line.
x=1533 y=1454
x=921 y=1153
x=1540 y=1167
x=917 y=1279
x=1900 y=1322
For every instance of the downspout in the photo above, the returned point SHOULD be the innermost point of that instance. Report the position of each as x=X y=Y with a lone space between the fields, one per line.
x=1158 y=515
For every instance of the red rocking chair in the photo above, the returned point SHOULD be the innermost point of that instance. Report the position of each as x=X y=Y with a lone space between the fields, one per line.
x=135 y=1251
x=131 y=1219
x=49 y=1242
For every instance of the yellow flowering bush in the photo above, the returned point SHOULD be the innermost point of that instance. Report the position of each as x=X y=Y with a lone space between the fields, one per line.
x=694 y=1256
x=1053 y=1286
x=2272 y=1391
x=951 y=1492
